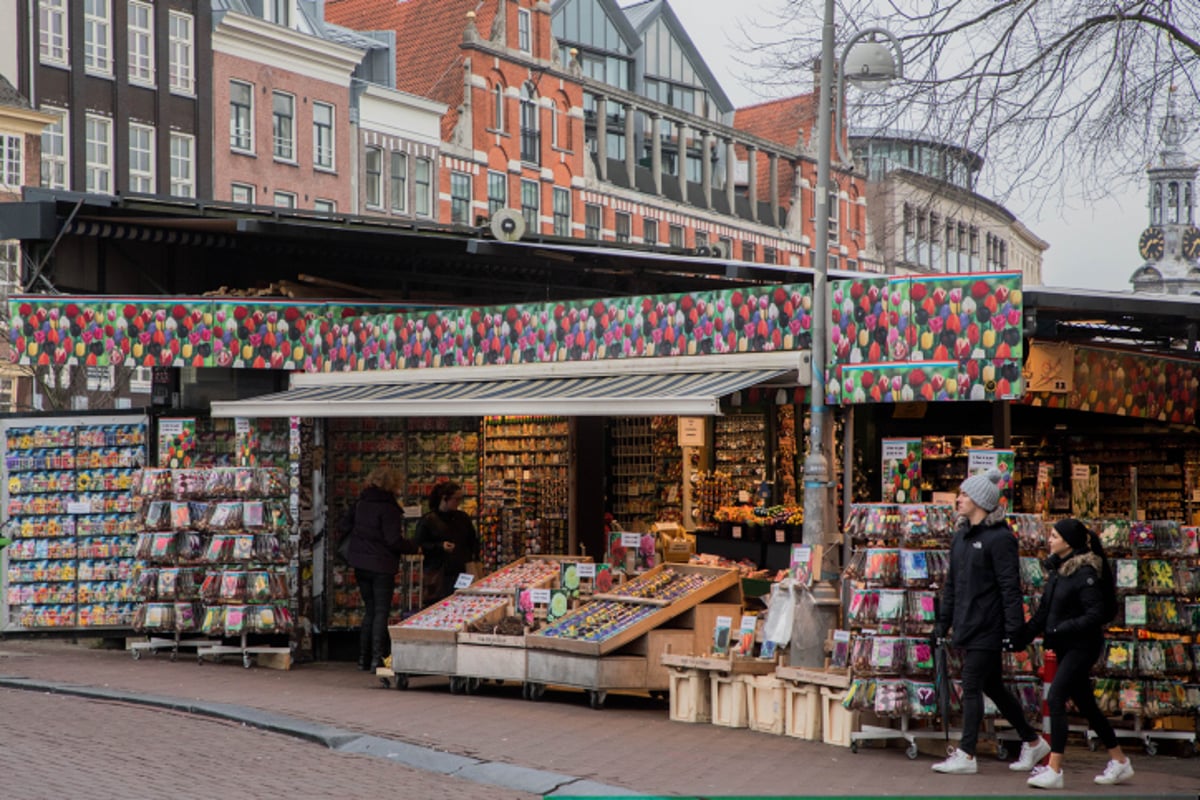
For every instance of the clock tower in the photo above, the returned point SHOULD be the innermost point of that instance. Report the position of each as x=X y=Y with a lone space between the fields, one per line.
x=1171 y=244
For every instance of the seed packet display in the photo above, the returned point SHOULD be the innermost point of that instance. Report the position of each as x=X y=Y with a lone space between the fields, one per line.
x=1024 y=662
x=921 y=611
x=940 y=518
x=210 y=589
x=156 y=515
x=914 y=523
x=1141 y=537
x=1162 y=614
x=890 y=609
x=860 y=654
x=1033 y=575
x=181 y=517
x=253 y=517
x=918 y=657
x=1157 y=576
x=164 y=547
x=226 y=516
x=864 y=603
x=1030 y=531
x=891 y=698
x=235 y=620
x=145 y=583
x=882 y=567
x=188 y=483
x=856 y=565
x=840 y=657
x=1118 y=657
x=914 y=568
x=155 y=483
x=243 y=547
x=1114 y=535
x=939 y=563
x=233 y=587
x=1187 y=579
x=1151 y=658
x=213 y=623
x=272 y=482
x=245 y=482
x=1168 y=536
x=258 y=586
x=1127 y=574
x=187 y=619
x=922 y=699
x=219 y=483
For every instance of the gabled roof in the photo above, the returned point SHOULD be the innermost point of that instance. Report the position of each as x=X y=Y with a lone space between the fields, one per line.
x=781 y=121
x=428 y=36
x=643 y=15
x=9 y=96
x=614 y=14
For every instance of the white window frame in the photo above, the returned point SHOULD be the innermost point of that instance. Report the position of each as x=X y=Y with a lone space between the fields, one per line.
x=97 y=37
x=277 y=140
x=236 y=133
x=562 y=221
x=324 y=206
x=59 y=156
x=458 y=202
x=10 y=268
x=12 y=162
x=182 y=35
x=423 y=199
x=98 y=155
x=497 y=200
x=183 y=164
x=328 y=149
x=373 y=182
x=278 y=11
x=141 y=178
x=288 y=199
x=398 y=180
x=248 y=191
x=53 y=39
x=141 y=43
x=524 y=30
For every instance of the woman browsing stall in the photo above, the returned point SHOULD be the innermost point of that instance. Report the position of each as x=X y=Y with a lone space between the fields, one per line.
x=448 y=539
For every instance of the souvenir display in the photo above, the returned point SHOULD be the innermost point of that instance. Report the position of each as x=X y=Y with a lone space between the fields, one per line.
x=456 y=612
x=72 y=520
x=646 y=470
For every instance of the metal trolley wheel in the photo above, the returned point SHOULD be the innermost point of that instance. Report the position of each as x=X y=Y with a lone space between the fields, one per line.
x=533 y=691
x=1151 y=747
x=596 y=698
x=1001 y=751
x=912 y=751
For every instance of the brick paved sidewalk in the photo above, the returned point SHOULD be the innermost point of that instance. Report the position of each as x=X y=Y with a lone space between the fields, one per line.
x=631 y=743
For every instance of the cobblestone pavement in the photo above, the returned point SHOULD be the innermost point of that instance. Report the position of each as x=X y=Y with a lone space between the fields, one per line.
x=631 y=743
x=72 y=747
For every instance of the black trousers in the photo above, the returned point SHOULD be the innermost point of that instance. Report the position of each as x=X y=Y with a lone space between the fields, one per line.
x=376 y=589
x=1073 y=681
x=982 y=673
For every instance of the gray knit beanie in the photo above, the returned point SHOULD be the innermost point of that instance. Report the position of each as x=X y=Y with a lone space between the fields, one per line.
x=984 y=489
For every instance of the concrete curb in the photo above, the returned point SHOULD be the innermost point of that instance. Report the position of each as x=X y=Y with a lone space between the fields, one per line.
x=491 y=773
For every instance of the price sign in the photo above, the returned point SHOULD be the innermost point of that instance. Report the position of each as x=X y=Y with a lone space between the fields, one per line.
x=586 y=570
x=241 y=426
x=780 y=536
x=841 y=636
x=540 y=596
x=631 y=539
x=79 y=508
x=464 y=580
x=895 y=448
x=737 y=531
x=1080 y=472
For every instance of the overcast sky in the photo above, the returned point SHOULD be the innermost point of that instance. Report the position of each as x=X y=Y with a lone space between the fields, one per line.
x=1091 y=245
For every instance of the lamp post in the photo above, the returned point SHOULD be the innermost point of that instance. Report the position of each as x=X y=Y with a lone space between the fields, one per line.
x=870 y=65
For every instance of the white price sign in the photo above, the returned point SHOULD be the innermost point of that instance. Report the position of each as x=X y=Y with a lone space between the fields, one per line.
x=981 y=461
x=1080 y=472
x=79 y=508
x=631 y=539
x=895 y=449
x=241 y=426
x=541 y=596
x=585 y=570
x=464 y=580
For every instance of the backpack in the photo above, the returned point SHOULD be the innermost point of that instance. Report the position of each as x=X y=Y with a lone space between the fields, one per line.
x=1108 y=581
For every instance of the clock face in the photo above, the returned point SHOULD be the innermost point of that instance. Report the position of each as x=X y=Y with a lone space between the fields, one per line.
x=1150 y=245
x=1191 y=243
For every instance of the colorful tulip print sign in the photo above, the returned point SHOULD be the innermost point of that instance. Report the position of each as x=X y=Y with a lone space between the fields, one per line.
x=901 y=470
x=973 y=321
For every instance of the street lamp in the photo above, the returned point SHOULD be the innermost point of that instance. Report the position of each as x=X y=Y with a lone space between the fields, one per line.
x=872 y=65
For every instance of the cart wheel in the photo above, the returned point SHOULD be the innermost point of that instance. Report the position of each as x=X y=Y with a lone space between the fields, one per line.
x=1001 y=751
x=597 y=697
x=247 y=660
x=385 y=683
x=137 y=654
x=471 y=685
x=1151 y=747
x=658 y=695
x=199 y=660
x=401 y=681
x=455 y=686
x=1093 y=745
x=853 y=746
x=536 y=690
x=912 y=751
x=174 y=656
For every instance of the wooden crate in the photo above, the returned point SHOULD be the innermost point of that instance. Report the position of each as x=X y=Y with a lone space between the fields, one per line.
x=837 y=723
x=765 y=703
x=658 y=643
x=834 y=678
x=424 y=658
x=489 y=655
x=730 y=665
x=728 y=700
x=407 y=631
x=551 y=582
x=690 y=697
x=802 y=711
x=586 y=672
x=702 y=619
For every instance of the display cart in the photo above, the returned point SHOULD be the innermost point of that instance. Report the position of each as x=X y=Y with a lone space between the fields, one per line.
x=612 y=642
x=154 y=644
x=247 y=651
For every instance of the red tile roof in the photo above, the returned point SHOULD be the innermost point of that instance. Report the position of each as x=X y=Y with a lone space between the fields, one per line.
x=780 y=121
x=428 y=35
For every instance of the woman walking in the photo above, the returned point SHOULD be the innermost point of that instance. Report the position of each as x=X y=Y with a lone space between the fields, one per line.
x=1076 y=605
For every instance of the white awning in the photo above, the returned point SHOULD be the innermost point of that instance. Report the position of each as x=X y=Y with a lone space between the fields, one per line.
x=610 y=389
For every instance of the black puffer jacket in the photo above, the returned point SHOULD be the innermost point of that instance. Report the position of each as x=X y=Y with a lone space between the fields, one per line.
x=981 y=601
x=1071 y=613
x=377 y=537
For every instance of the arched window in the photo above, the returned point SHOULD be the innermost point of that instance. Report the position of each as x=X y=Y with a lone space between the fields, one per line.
x=498 y=107
x=530 y=135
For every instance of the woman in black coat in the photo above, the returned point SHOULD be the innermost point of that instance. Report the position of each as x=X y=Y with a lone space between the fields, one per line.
x=447 y=537
x=1072 y=616
x=376 y=529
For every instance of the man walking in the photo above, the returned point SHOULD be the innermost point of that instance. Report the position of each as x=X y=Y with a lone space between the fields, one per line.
x=981 y=605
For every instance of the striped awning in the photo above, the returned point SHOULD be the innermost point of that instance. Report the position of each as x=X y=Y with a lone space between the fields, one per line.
x=608 y=395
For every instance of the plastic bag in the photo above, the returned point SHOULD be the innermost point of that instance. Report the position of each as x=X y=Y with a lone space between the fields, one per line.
x=781 y=613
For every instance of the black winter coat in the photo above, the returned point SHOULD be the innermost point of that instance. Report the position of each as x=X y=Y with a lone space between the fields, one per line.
x=447 y=526
x=1071 y=613
x=981 y=599
x=377 y=537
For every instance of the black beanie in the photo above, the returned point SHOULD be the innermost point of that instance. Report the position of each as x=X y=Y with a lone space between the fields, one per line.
x=1074 y=533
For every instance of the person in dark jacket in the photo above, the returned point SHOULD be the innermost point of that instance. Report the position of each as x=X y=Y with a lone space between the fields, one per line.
x=377 y=541
x=1071 y=615
x=981 y=605
x=447 y=537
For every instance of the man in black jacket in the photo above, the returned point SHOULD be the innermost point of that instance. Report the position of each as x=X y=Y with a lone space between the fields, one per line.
x=981 y=604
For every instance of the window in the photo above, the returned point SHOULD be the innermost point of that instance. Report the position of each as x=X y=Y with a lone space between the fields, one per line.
x=422 y=187
x=530 y=204
x=10 y=161
x=834 y=209
x=98 y=154
x=97 y=37
x=374 y=165
x=141 y=158
x=279 y=12
x=562 y=211
x=141 y=42
x=769 y=255
x=10 y=268
x=749 y=251
x=285 y=200
x=497 y=192
x=241 y=116
x=726 y=246
x=675 y=232
x=622 y=225
x=54 y=151
x=398 y=178
x=460 y=198
x=701 y=239
x=592 y=220
x=530 y=136
x=650 y=231
x=324 y=206
x=498 y=107
x=52 y=31
x=181 y=64
x=242 y=193
x=323 y=135
x=283 y=126
x=183 y=170
x=524 y=31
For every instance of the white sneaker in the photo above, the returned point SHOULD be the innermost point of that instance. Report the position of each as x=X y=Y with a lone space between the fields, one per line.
x=1116 y=772
x=1045 y=778
x=1032 y=754
x=959 y=763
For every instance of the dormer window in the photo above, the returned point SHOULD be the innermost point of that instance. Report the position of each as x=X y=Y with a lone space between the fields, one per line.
x=279 y=12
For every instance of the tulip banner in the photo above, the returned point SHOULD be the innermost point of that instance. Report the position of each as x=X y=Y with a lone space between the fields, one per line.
x=327 y=337
x=1129 y=384
x=934 y=338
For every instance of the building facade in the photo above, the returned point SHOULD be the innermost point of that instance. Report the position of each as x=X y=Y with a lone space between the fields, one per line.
x=926 y=217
